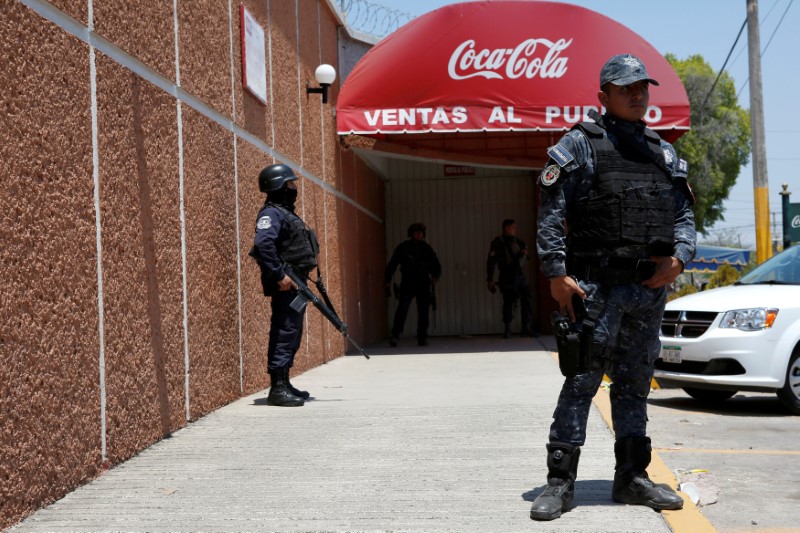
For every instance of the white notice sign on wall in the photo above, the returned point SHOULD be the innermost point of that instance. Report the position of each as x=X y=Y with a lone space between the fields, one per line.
x=254 y=62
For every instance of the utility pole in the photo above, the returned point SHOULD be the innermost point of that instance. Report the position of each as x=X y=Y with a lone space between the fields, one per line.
x=760 y=179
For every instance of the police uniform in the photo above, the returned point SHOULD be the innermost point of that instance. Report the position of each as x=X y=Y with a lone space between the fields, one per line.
x=507 y=253
x=612 y=195
x=281 y=236
x=419 y=266
x=282 y=240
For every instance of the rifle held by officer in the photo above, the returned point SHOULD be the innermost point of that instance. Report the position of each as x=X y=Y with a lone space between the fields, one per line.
x=304 y=295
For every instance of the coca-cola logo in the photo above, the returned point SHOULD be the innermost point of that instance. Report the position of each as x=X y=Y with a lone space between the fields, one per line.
x=531 y=58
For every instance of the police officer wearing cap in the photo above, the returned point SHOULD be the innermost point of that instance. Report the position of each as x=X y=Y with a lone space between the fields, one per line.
x=420 y=270
x=281 y=239
x=615 y=228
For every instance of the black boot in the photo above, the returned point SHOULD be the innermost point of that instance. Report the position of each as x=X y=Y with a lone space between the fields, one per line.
x=297 y=392
x=279 y=392
x=632 y=485
x=507 y=331
x=562 y=469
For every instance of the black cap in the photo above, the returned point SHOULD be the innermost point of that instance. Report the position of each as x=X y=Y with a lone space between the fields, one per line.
x=624 y=69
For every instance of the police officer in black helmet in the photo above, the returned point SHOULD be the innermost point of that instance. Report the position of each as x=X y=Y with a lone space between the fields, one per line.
x=282 y=238
x=615 y=228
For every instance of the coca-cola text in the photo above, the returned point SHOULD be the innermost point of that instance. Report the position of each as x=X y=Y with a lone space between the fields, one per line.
x=531 y=58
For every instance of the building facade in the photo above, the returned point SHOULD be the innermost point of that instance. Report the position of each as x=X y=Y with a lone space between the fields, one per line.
x=130 y=152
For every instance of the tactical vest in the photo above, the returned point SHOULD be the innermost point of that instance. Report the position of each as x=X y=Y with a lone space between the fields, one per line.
x=299 y=246
x=630 y=210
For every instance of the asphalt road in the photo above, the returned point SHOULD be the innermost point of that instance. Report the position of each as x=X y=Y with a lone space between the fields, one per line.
x=742 y=455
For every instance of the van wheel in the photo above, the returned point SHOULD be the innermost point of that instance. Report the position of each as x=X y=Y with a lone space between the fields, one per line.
x=709 y=395
x=789 y=395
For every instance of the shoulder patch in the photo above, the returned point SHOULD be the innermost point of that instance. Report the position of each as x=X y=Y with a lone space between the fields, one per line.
x=264 y=222
x=560 y=155
x=667 y=156
x=549 y=175
x=683 y=166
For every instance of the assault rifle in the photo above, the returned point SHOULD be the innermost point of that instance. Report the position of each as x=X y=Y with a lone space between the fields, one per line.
x=304 y=295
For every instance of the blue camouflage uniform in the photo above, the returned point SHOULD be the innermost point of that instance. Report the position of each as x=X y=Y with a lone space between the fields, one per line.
x=630 y=314
x=286 y=327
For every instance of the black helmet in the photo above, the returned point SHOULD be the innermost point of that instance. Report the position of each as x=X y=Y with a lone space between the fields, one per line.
x=274 y=177
x=416 y=226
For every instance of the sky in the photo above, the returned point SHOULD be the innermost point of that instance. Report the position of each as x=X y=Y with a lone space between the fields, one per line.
x=709 y=28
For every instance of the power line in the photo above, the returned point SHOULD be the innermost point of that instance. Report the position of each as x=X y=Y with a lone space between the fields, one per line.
x=769 y=41
x=729 y=228
x=763 y=20
x=721 y=70
x=776 y=27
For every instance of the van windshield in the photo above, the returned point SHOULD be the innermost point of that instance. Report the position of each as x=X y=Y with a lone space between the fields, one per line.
x=783 y=268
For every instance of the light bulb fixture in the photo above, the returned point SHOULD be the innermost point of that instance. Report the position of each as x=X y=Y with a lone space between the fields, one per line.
x=325 y=76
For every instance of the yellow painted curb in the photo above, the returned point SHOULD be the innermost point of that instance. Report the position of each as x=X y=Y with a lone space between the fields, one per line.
x=689 y=519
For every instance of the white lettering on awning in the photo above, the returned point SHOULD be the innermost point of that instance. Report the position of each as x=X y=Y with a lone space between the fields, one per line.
x=428 y=116
x=575 y=114
x=506 y=117
x=411 y=116
x=531 y=58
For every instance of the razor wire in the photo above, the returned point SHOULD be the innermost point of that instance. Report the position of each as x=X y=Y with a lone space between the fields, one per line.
x=373 y=19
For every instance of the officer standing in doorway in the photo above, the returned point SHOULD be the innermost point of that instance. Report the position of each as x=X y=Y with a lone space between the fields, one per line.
x=282 y=240
x=420 y=270
x=615 y=228
x=509 y=253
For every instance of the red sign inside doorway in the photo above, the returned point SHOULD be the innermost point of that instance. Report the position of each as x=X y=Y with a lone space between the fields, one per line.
x=459 y=170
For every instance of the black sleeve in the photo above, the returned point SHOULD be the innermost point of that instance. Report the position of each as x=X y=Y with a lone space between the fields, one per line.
x=394 y=262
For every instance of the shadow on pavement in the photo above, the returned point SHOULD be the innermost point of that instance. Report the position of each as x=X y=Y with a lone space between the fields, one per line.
x=742 y=404
x=449 y=345
x=587 y=492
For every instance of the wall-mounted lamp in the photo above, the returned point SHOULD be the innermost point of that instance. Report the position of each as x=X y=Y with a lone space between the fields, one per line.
x=325 y=76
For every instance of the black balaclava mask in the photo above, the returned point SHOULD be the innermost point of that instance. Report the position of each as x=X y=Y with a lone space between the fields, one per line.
x=285 y=197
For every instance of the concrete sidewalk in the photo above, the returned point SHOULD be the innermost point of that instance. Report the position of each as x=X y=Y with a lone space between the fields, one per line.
x=445 y=438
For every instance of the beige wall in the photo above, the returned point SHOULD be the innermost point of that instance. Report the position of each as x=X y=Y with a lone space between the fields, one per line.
x=95 y=349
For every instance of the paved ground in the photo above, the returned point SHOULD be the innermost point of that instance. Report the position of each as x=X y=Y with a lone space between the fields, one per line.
x=445 y=438
x=746 y=451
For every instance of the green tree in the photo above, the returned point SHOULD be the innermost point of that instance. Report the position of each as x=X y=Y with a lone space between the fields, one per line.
x=718 y=144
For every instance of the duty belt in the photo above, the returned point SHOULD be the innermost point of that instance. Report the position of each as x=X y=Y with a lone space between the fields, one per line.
x=613 y=270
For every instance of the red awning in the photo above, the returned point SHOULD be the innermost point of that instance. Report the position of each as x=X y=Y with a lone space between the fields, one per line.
x=499 y=66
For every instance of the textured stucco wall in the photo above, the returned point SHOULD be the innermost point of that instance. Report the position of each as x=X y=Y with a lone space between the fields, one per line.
x=204 y=40
x=49 y=395
x=145 y=30
x=141 y=237
x=83 y=391
x=210 y=204
x=255 y=306
x=285 y=81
